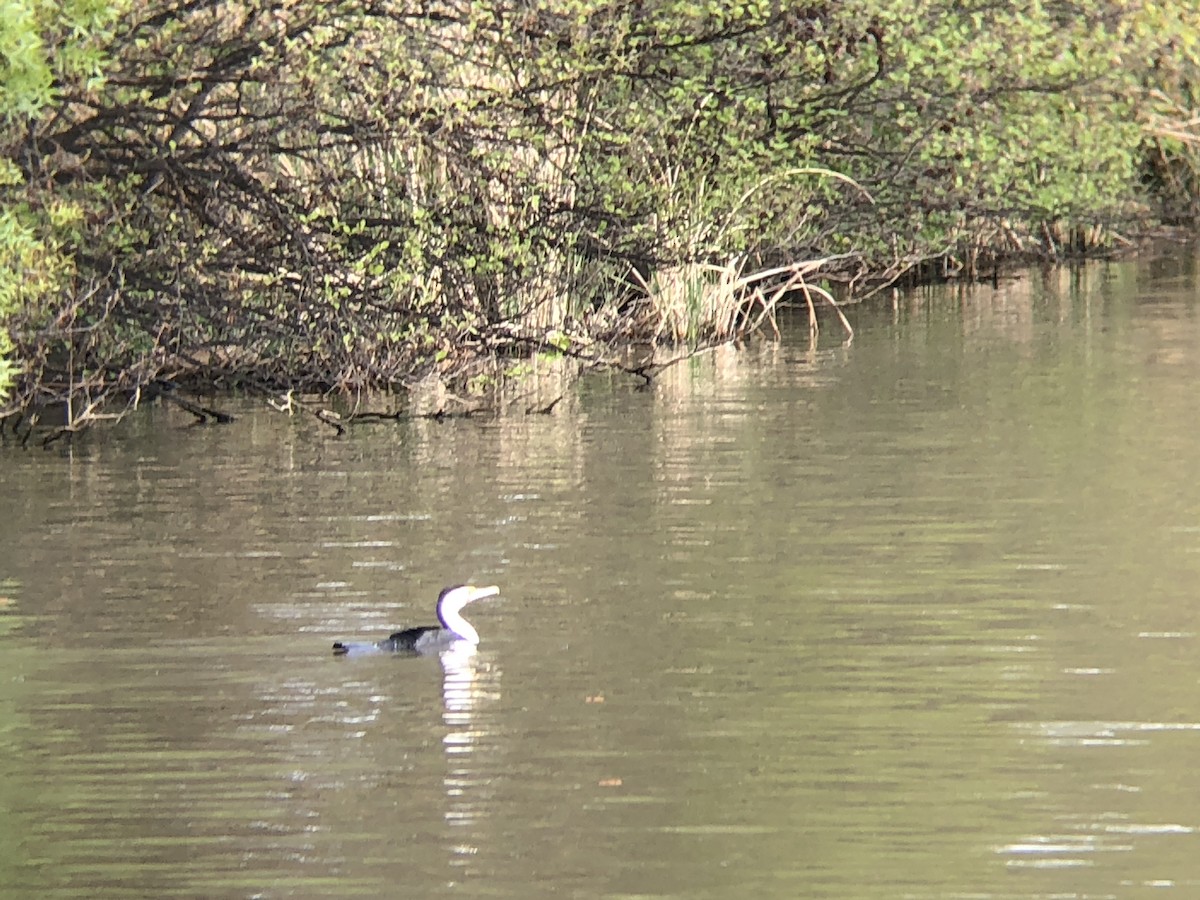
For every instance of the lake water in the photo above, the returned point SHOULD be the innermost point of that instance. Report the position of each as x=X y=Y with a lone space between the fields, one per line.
x=915 y=617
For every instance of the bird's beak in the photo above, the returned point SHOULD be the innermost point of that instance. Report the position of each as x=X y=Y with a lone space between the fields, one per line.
x=478 y=593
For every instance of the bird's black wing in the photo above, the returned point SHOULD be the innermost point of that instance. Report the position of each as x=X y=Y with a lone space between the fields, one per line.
x=400 y=642
x=407 y=639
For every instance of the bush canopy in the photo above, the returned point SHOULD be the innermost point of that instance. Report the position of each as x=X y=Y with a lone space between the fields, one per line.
x=346 y=195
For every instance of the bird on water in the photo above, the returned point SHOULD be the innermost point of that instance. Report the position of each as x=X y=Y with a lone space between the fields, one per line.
x=430 y=638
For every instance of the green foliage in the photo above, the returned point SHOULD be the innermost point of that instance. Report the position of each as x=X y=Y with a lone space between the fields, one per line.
x=45 y=47
x=25 y=82
x=1000 y=118
x=331 y=195
x=1168 y=113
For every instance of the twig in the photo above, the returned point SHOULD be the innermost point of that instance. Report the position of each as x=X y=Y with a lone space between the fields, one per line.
x=639 y=371
x=330 y=418
x=291 y=404
x=544 y=410
x=202 y=413
x=438 y=415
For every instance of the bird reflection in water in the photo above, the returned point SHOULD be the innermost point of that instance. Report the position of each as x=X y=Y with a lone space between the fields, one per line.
x=465 y=680
x=465 y=687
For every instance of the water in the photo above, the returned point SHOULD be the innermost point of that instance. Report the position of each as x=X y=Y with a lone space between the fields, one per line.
x=914 y=617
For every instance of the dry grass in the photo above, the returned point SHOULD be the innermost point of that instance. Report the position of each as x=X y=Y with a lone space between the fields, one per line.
x=701 y=302
x=695 y=302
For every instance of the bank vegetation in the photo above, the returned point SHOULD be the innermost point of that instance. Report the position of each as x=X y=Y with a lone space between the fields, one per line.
x=296 y=198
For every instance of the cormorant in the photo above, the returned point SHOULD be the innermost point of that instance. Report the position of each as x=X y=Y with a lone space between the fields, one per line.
x=430 y=638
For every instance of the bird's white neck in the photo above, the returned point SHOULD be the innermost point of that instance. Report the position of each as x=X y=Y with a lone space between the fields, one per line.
x=450 y=610
x=453 y=620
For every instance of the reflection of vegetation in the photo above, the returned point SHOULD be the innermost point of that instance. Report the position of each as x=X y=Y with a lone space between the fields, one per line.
x=339 y=195
x=13 y=669
x=8 y=621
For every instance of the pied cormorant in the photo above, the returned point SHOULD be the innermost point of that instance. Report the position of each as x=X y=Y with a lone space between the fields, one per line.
x=430 y=638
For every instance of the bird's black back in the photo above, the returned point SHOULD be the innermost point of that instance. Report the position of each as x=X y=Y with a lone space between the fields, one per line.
x=407 y=639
